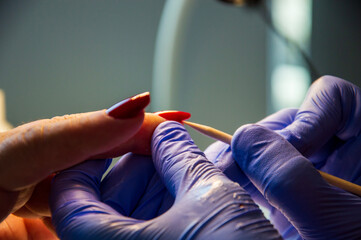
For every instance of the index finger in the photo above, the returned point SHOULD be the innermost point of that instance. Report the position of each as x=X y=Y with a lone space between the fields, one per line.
x=331 y=108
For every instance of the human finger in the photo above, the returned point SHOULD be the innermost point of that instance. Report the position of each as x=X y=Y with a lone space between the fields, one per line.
x=292 y=185
x=280 y=119
x=331 y=108
x=133 y=187
x=212 y=207
x=32 y=151
x=187 y=172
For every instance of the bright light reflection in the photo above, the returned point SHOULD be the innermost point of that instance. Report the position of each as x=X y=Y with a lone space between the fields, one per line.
x=289 y=85
x=293 y=18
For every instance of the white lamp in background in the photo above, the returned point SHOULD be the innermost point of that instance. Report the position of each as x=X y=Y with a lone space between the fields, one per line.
x=289 y=85
x=289 y=78
x=169 y=45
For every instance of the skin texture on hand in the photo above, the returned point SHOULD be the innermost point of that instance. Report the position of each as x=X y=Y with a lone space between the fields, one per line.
x=18 y=228
x=31 y=153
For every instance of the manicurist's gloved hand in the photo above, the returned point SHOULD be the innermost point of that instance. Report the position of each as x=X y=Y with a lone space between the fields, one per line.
x=326 y=130
x=207 y=204
x=31 y=153
x=220 y=154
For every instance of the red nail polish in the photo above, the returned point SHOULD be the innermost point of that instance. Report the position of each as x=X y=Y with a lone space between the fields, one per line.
x=129 y=107
x=174 y=115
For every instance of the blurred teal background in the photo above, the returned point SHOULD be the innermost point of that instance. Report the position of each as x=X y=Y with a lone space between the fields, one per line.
x=63 y=56
x=59 y=57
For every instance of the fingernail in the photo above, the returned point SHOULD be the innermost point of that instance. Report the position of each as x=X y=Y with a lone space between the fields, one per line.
x=174 y=115
x=129 y=107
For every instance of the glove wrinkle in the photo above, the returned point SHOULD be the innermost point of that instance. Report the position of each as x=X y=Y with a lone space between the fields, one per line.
x=208 y=204
x=292 y=185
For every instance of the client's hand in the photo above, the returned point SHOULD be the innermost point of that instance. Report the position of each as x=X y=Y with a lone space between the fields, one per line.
x=31 y=153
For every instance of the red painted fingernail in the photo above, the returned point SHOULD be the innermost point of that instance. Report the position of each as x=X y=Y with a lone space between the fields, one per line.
x=174 y=115
x=129 y=107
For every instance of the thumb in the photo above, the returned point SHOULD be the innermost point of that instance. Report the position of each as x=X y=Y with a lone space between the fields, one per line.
x=32 y=151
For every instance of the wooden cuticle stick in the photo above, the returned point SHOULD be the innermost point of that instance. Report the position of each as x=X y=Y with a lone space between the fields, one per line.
x=227 y=138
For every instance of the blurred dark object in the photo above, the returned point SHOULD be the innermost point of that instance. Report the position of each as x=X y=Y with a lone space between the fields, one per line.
x=249 y=3
x=336 y=38
x=267 y=18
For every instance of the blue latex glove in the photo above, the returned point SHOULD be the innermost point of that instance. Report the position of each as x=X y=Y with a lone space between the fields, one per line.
x=326 y=129
x=221 y=155
x=207 y=204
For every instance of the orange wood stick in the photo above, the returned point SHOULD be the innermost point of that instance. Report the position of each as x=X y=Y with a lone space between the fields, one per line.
x=227 y=138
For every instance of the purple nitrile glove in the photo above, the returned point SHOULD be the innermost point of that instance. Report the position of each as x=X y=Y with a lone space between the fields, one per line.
x=326 y=130
x=130 y=204
x=221 y=155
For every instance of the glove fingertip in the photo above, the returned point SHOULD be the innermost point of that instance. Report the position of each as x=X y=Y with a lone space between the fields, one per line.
x=166 y=131
x=244 y=139
x=179 y=162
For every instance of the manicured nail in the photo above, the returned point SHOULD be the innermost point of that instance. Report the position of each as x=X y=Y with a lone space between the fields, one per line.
x=129 y=107
x=174 y=115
